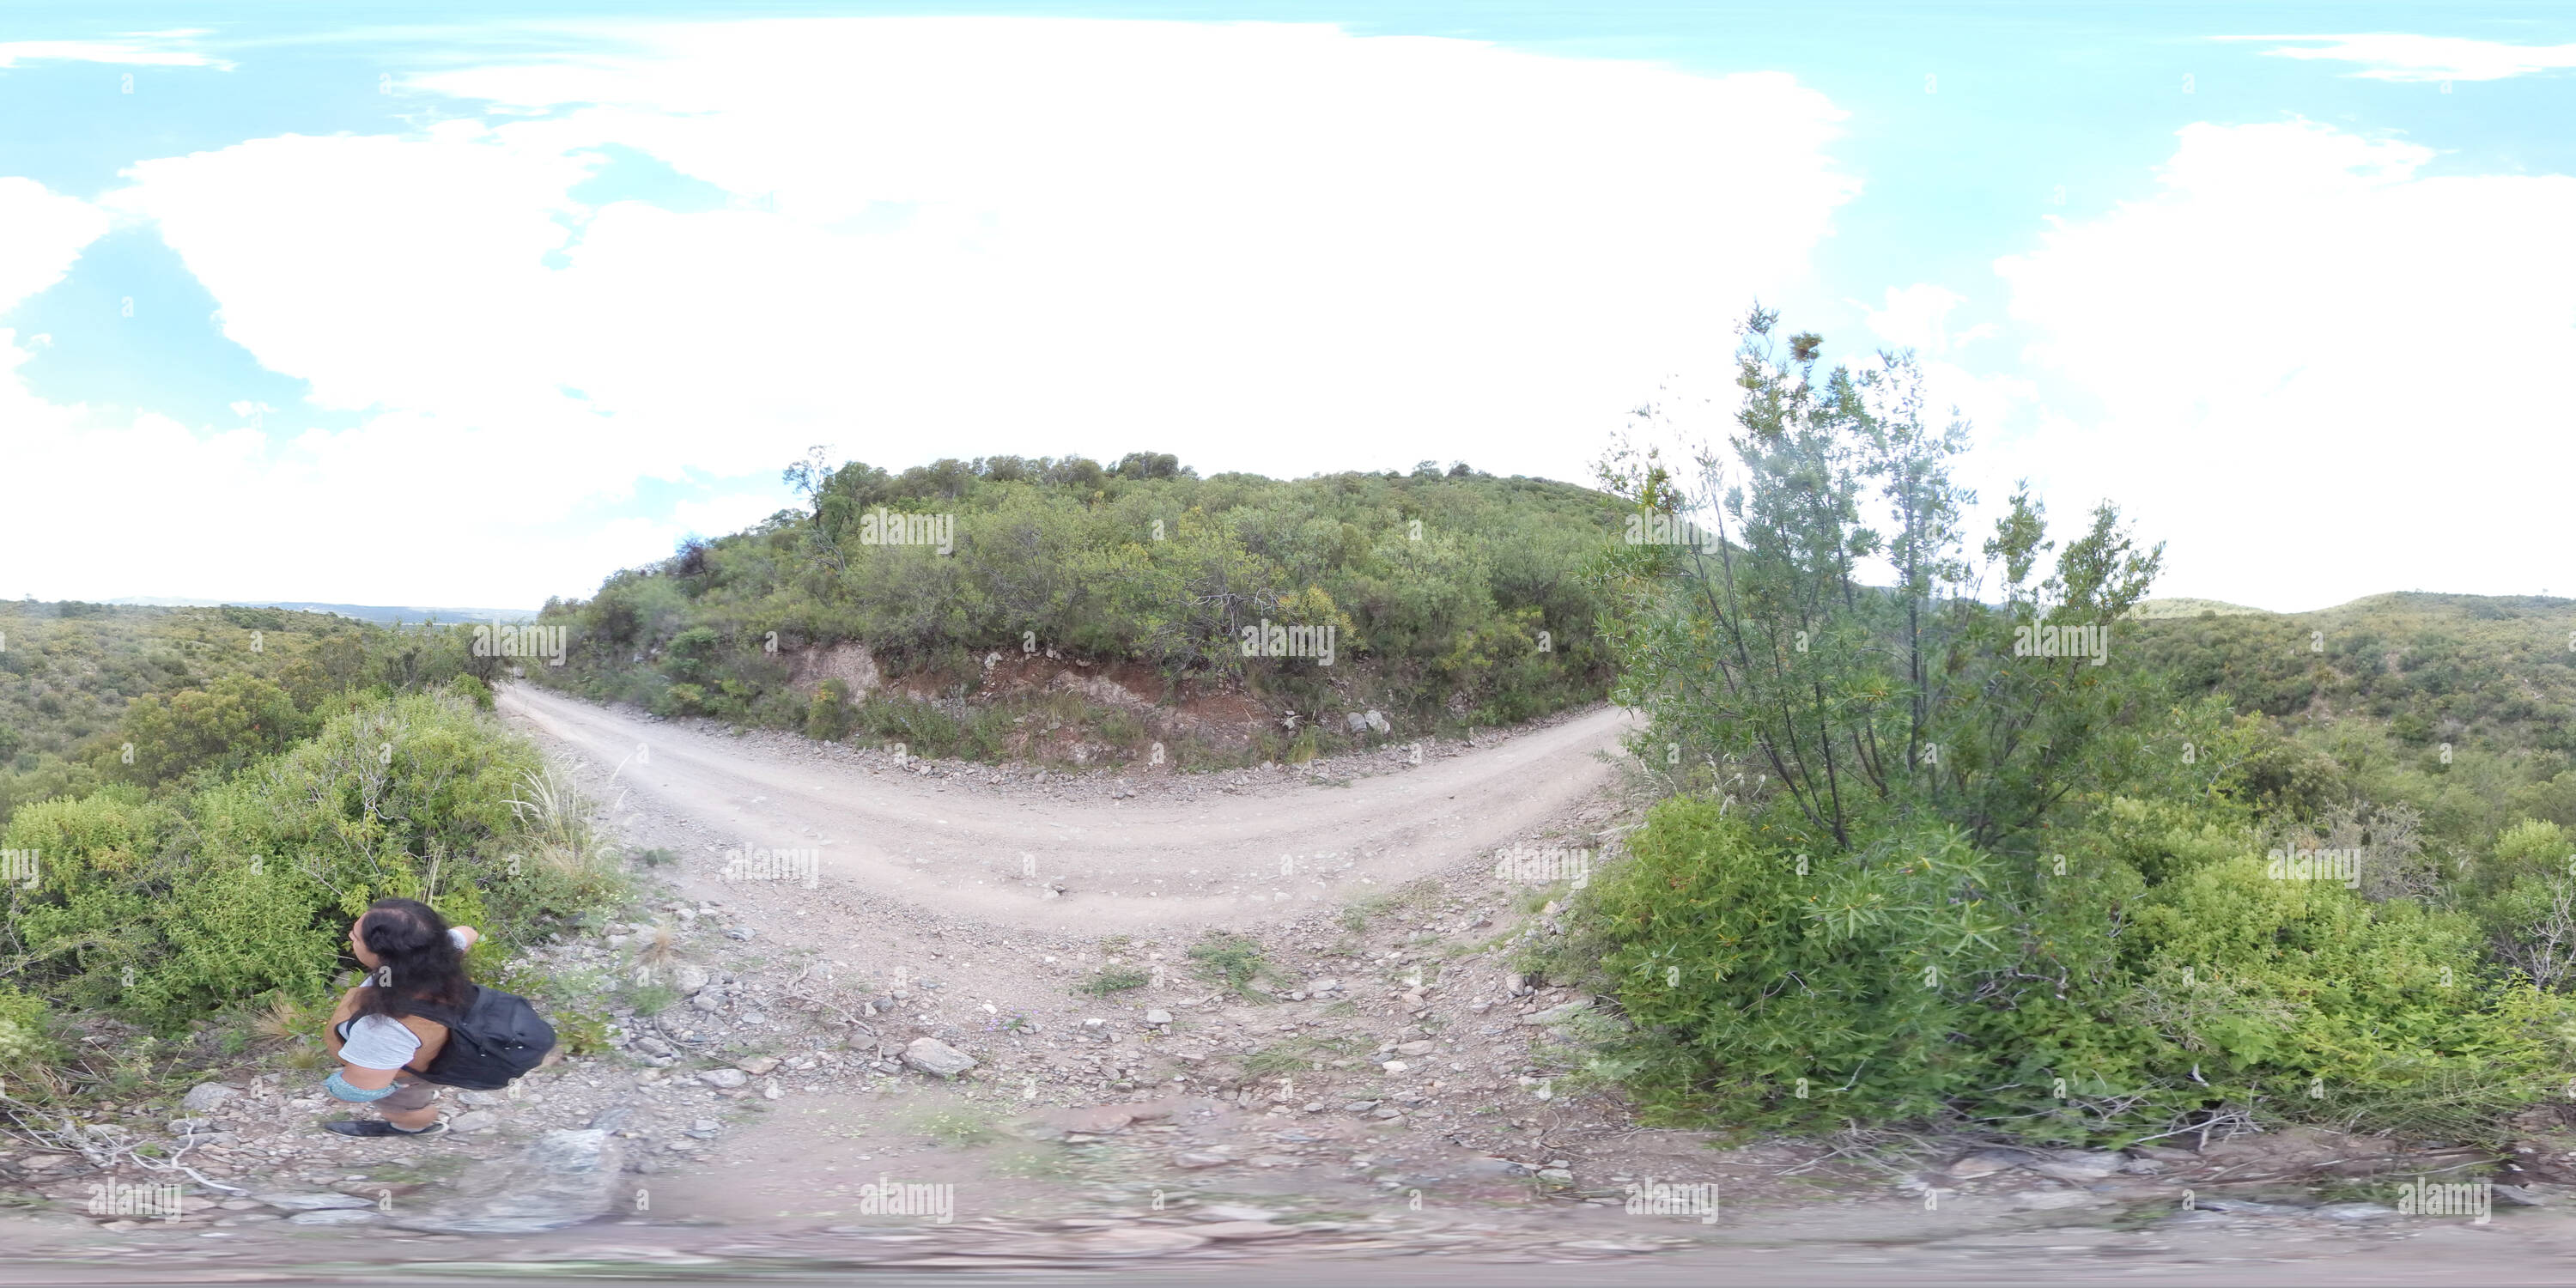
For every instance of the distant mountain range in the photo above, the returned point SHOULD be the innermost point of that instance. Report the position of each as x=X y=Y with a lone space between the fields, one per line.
x=388 y=614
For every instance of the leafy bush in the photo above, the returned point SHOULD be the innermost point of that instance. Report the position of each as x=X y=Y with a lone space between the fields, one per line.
x=1115 y=979
x=164 y=911
x=827 y=717
x=27 y=1051
x=1439 y=588
x=221 y=728
x=2525 y=898
x=1932 y=871
x=1232 y=961
x=472 y=690
x=199 y=692
x=1924 y=982
x=580 y=1030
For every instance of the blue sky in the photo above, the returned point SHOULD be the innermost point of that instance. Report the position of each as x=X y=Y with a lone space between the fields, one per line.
x=381 y=305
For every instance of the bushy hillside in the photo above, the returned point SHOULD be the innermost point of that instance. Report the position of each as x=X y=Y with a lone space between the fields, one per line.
x=2439 y=667
x=2464 y=706
x=191 y=689
x=2040 y=867
x=965 y=596
x=198 y=800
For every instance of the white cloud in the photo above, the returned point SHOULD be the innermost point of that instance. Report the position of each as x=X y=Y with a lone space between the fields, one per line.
x=1918 y=317
x=45 y=232
x=1915 y=316
x=143 y=49
x=2396 y=56
x=731 y=512
x=1278 y=248
x=2320 y=373
x=1300 y=248
x=397 y=512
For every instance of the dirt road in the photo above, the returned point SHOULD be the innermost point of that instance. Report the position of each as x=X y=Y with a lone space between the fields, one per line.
x=1388 y=1107
x=1178 y=853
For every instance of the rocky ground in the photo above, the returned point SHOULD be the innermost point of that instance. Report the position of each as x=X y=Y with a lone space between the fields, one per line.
x=1374 y=1073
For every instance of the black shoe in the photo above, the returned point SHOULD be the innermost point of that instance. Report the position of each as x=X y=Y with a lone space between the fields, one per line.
x=378 y=1127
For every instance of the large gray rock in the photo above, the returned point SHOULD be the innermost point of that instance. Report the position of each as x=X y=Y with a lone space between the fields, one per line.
x=937 y=1058
x=724 y=1077
x=479 y=1120
x=565 y=1178
x=688 y=979
x=207 y=1097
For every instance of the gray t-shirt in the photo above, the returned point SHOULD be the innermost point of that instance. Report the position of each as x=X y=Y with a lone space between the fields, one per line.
x=381 y=1041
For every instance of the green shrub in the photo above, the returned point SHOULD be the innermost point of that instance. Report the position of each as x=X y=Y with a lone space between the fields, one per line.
x=2524 y=896
x=167 y=911
x=472 y=690
x=232 y=722
x=827 y=718
x=1923 y=982
x=1116 y=979
x=579 y=1029
x=1768 y=980
x=1232 y=961
x=556 y=865
x=27 y=1050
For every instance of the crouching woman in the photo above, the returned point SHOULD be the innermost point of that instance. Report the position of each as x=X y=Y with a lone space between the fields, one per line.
x=414 y=962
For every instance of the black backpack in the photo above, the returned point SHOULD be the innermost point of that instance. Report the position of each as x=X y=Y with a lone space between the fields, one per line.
x=498 y=1037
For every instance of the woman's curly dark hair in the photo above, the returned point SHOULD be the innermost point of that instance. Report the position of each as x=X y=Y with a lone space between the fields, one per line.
x=421 y=965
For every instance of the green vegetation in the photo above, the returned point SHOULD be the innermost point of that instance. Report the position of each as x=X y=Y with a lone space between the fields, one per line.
x=1923 y=864
x=166 y=909
x=1959 y=828
x=26 y=1051
x=1233 y=962
x=197 y=692
x=1115 y=979
x=200 y=799
x=2463 y=706
x=1456 y=598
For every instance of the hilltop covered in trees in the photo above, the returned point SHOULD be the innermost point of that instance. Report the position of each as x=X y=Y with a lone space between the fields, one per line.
x=1456 y=598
